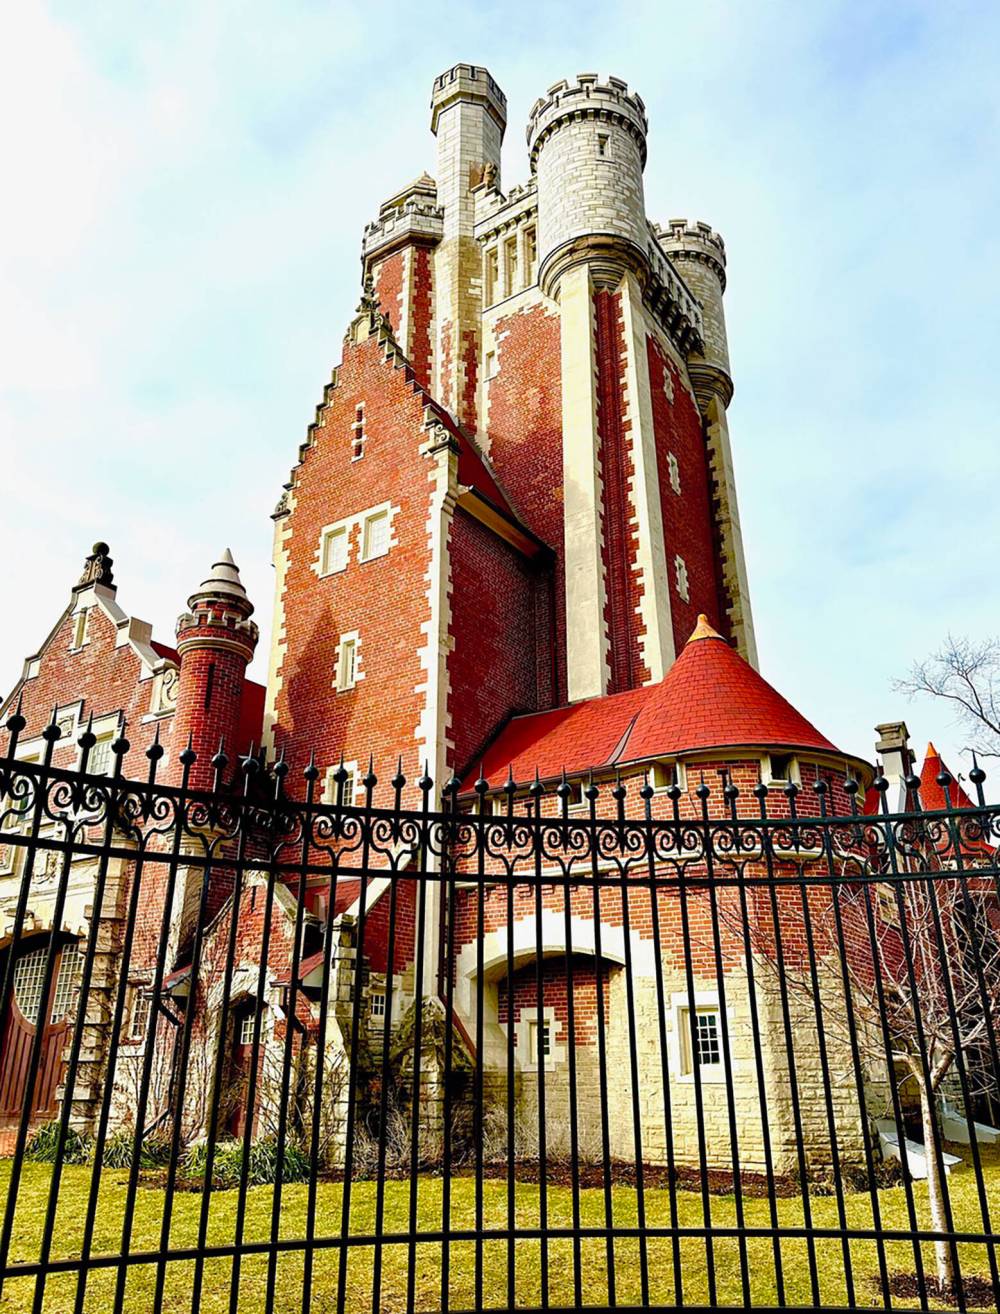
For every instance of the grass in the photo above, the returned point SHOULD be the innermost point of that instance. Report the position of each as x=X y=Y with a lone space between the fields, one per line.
x=759 y=1264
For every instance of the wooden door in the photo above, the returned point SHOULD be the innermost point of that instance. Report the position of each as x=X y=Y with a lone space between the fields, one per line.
x=27 y=1011
x=241 y=1062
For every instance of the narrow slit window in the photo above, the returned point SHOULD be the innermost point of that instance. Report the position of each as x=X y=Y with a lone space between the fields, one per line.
x=602 y=145
x=358 y=435
x=674 y=472
x=530 y=254
x=81 y=624
x=681 y=578
x=347 y=663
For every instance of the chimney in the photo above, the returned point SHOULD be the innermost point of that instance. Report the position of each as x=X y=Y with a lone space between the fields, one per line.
x=893 y=749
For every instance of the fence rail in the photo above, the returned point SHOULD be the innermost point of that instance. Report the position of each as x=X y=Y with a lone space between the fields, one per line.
x=538 y=1048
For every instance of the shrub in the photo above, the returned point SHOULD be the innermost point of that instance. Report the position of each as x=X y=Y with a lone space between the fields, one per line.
x=262 y=1165
x=153 y=1153
x=43 y=1145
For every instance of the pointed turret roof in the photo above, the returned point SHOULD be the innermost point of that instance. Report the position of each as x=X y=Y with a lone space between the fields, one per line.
x=223 y=582
x=710 y=698
x=931 y=793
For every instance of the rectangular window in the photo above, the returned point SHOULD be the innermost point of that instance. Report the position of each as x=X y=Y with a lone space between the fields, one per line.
x=80 y=626
x=780 y=769
x=674 y=472
x=375 y=536
x=246 y=1028
x=602 y=144
x=664 y=774
x=139 y=1009
x=334 y=552
x=510 y=265
x=491 y=364
x=347 y=662
x=707 y=1038
x=101 y=758
x=530 y=254
x=377 y=1005
x=492 y=275
x=342 y=794
x=542 y=1034
x=681 y=578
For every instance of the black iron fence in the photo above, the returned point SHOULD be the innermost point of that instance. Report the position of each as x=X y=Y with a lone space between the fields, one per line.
x=344 y=1044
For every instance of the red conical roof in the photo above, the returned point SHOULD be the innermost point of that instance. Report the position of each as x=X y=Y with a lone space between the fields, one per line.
x=710 y=698
x=931 y=793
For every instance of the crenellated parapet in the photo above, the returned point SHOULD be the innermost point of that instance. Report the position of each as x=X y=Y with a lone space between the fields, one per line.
x=412 y=215
x=686 y=241
x=587 y=99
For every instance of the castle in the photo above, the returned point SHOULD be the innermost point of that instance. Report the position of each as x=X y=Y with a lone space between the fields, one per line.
x=510 y=545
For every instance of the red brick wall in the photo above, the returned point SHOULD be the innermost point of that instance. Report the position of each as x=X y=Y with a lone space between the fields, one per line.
x=106 y=678
x=555 y=995
x=688 y=526
x=208 y=709
x=623 y=594
x=421 y=313
x=500 y=627
x=377 y=928
x=525 y=438
x=384 y=599
x=389 y=287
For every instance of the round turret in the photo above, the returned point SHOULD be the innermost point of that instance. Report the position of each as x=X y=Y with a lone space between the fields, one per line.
x=587 y=146
x=699 y=255
x=215 y=640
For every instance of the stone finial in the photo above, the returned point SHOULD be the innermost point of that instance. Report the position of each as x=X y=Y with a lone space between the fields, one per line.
x=223 y=584
x=97 y=569
x=368 y=305
x=704 y=629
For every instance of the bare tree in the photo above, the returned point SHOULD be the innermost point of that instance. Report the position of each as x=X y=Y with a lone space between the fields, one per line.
x=965 y=673
x=918 y=958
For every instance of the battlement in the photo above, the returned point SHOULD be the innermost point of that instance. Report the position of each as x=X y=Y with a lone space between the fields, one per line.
x=587 y=97
x=469 y=83
x=208 y=625
x=685 y=239
x=413 y=220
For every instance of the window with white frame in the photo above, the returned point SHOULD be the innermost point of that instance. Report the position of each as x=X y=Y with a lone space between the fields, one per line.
x=699 y=1036
x=81 y=624
x=662 y=775
x=681 y=578
x=140 y=1006
x=333 y=793
x=376 y=1006
x=674 y=472
x=247 y=1022
x=540 y=1034
x=346 y=675
x=101 y=759
x=333 y=552
x=375 y=535
x=780 y=769
x=576 y=797
x=358 y=433
x=491 y=365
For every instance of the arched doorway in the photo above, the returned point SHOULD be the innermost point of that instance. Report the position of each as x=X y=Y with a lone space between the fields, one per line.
x=27 y=1011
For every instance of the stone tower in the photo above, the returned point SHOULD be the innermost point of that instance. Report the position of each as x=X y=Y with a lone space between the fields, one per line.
x=468 y=118
x=215 y=642
x=699 y=254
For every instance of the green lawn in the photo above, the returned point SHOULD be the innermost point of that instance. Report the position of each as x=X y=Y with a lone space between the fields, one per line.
x=60 y=1289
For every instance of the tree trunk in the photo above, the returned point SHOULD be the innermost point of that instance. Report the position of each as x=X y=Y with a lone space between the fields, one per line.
x=944 y=1251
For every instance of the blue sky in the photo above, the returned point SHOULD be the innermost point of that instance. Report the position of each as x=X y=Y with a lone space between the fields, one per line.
x=186 y=186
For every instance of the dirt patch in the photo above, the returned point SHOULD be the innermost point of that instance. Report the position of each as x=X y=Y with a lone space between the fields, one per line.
x=978 y=1291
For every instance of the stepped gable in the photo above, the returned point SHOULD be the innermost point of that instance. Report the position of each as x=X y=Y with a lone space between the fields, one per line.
x=710 y=698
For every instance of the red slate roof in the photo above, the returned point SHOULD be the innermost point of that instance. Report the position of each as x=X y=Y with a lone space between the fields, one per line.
x=710 y=698
x=931 y=793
